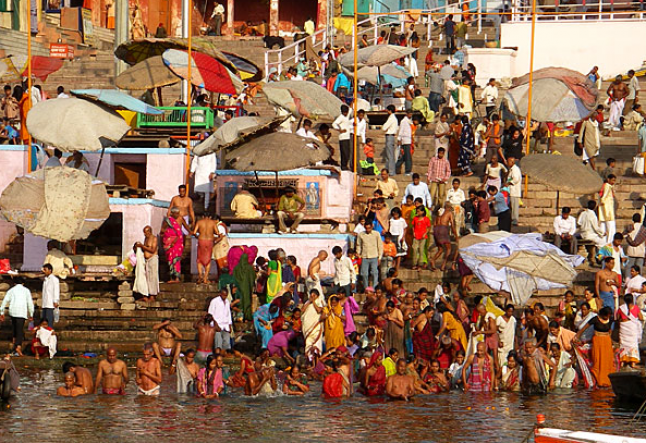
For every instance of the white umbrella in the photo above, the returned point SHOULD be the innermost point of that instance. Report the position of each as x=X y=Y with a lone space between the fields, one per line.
x=230 y=132
x=74 y=124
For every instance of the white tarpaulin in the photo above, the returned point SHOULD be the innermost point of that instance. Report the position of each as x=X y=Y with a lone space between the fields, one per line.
x=521 y=264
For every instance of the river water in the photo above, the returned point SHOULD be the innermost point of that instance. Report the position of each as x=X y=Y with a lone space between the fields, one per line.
x=36 y=414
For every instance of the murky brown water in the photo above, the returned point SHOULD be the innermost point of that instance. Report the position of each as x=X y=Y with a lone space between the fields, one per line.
x=37 y=415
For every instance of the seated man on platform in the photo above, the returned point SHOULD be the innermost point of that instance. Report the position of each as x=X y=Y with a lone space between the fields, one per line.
x=61 y=263
x=245 y=205
x=290 y=206
x=564 y=230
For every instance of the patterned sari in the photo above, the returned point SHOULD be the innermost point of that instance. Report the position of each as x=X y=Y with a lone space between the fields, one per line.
x=173 y=241
x=467 y=149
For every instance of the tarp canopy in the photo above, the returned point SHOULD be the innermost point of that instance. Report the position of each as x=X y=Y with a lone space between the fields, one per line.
x=521 y=264
x=117 y=100
x=376 y=55
x=561 y=173
x=232 y=132
x=303 y=99
x=148 y=74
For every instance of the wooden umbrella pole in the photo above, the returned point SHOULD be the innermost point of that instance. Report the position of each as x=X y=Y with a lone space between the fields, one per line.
x=354 y=89
x=528 y=121
x=190 y=89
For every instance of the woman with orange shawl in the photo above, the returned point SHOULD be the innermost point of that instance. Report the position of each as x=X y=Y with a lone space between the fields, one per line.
x=602 y=354
x=374 y=382
x=334 y=315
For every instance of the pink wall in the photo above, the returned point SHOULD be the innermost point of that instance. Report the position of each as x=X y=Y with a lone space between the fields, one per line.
x=135 y=218
x=14 y=164
x=164 y=174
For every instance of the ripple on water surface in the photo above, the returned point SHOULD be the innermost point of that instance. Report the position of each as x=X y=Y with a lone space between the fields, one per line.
x=36 y=414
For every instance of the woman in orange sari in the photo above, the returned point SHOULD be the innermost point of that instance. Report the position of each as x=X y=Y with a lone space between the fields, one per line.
x=602 y=353
x=454 y=142
x=23 y=105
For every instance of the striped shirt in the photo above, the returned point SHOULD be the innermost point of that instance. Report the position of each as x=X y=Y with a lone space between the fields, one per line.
x=21 y=305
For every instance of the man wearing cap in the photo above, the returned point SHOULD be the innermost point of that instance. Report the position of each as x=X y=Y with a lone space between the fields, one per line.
x=290 y=206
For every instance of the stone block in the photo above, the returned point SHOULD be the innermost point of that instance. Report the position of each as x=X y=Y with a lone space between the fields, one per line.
x=125 y=293
x=64 y=287
x=125 y=286
x=128 y=307
x=4 y=286
x=125 y=300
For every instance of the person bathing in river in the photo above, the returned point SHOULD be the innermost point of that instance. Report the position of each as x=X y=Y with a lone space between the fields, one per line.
x=400 y=386
x=167 y=343
x=82 y=376
x=149 y=376
x=70 y=389
x=111 y=374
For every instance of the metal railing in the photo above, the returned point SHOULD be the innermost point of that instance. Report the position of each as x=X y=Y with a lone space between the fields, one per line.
x=175 y=116
x=372 y=26
x=587 y=11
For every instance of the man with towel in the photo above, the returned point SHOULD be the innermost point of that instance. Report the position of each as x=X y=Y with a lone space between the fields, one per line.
x=151 y=263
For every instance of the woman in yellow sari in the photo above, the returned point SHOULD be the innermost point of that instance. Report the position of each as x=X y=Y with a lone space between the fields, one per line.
x=334 y=324
x=275 y=278
x=452 y=325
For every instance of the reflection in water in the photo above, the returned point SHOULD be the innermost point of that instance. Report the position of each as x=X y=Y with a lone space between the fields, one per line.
x=440 y=418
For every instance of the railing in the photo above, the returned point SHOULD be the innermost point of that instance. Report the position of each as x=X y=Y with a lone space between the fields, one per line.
x=587 y=11
x=173 y=116
x=372 y=26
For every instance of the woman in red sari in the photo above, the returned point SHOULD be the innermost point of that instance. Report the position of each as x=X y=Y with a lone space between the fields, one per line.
x=173 y=241
x=374 y=382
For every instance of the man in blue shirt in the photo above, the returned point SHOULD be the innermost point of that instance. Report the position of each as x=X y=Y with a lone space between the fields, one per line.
x=500 y=208
x=449 y=33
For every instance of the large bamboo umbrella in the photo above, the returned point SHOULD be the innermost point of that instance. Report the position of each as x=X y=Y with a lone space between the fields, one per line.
x=74 y=124
x=378 y=55
x=561 y=174
x=206 y=72
x=148 y=74
x=234 y=131
x=303 y=99
x=116 y=99
x=60 y=203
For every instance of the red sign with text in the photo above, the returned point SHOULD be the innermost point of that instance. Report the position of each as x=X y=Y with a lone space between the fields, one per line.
x=58 y=50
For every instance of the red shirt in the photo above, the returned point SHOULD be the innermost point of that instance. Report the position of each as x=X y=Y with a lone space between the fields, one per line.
x=421 y=225
x=482 y=211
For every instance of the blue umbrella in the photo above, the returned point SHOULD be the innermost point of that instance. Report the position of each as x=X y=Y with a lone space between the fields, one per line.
x=117 y=99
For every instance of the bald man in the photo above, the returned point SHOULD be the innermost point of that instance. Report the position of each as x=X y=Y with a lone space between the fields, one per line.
x=112 y=374
x=314 y=274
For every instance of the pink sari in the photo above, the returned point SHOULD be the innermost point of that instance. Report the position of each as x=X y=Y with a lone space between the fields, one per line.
x=174 y=250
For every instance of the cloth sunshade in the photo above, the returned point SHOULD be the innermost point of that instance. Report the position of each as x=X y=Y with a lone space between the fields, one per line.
x=60 y=203
x=232 y=132
x=376 y=55
x=148 y=74
x=303 y=99
x=74 y=124
x=558 y=95
x=521 y=264
x=561 y=173
x=206 y=72
x=41 y=66
x=278 y=151
x=117 y=100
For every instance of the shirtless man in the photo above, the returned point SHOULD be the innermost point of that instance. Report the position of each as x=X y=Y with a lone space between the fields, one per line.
x=185 y=205
x=150 y=250
x=261 y=380
x=400 y=386
x=617 y=91
x=205 y=337
x=167 y=336
x=479 y=358
x=82 y=376
x=148 y=373
x=70 y=389
x=314 y=274
x=111 y=375
x=534 y=361
x=538 y=325
x=205 y=230
x=444 y=225
x=605 y=282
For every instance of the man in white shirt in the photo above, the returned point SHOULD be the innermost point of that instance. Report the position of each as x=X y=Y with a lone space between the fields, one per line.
x=418 y=189
x=21 y=308
x=344 y=124
x=51 y=294
x=54 y=160
x=204 y=170
x=589 y=226
x=61 y=92
x=344 y=275
x=514 y=180
x=633 y=92
x=391 y=129
x=306 y=130
x=361 y=127
x=405 y=139
x=635 y=253
x=220 y=310
x=564 y=230
x=490 y=96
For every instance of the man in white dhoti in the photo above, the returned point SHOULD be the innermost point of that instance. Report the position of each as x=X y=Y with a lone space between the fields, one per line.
x=506 y=333
x=204 y=169
x=312 y=323
x=617 y=92
x=630 y=331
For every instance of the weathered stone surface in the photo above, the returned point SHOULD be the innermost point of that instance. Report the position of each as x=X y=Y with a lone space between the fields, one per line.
x=128 y=307
x=125 y=286
x=125 y=300
x=125 y=293
x=4 y=286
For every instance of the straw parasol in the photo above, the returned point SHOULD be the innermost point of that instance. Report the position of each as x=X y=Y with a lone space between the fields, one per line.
x=377 y=55
x=521 y=264
x=60 y=203
x=206 y=72
x=278 y=151
x=561 y=174
x=303 y=99
x=559 y=95
x=116 y=99
x=235 y=131
x=148 y=74
x=73 y=124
